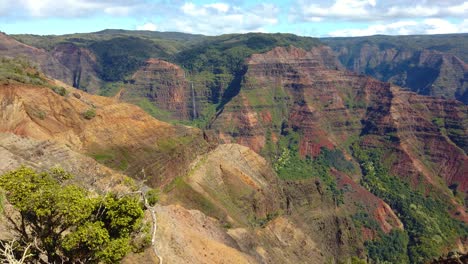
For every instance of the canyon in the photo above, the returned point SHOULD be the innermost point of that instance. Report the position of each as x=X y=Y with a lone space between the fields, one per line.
x=276 y=155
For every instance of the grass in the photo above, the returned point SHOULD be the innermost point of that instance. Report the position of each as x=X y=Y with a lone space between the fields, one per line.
x=115 y=159
x=153 y=110
x=20 y=71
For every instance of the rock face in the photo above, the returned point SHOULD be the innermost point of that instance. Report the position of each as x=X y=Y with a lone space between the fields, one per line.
x=16 y=151
x=225 y=203
x=51 y=66
x=120 y=135
x=66 y=62
x=165 y=86
x=287 y=90
x=425 y=71
x=298 y=90
x=82 y=64
x=258 y=215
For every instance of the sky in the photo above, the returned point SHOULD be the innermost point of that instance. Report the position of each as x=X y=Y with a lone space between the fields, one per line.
x=316 y=18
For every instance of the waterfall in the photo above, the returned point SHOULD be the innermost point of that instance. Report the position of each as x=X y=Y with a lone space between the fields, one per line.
x=194 y=107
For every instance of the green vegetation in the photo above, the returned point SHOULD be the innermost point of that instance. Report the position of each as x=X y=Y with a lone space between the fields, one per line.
x=121 y=56
x=117 y=159
x=119 y=52
x=66 y=223
x=385 y=248
x=110 y=88
x=152 y=196
x=226 y=53
x=389 y=248
x=59 y=90
x=427 y=222
x=290 y=166
x=19 y=71
x=90 y=113
x=450 y=43
x=153 y=110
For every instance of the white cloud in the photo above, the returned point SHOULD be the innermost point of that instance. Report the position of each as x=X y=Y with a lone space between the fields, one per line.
x=371 y=10
x=192 y=10
x=147 y=26
x=68 y=8
x=405 y=27
x=220 y=7
x=221 y=18
x=461 y=9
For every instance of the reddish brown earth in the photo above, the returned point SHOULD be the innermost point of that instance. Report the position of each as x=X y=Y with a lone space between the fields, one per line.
x=292 y=88
x=228 y=198
x=51 y=66
x=164 y=84
x=121 y=135
x=66 y=62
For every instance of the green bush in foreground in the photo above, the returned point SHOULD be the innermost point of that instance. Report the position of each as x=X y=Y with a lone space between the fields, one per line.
x=64 y=223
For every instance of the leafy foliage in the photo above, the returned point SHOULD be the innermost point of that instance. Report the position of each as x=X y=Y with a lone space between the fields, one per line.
x=289 y=165
x=152 y=196
x=389 y=248
x=426 y=219
x=65 y=222
x=121 y=56
x=227 y=53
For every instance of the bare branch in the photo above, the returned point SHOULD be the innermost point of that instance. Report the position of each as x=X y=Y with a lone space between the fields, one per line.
x=7 y=252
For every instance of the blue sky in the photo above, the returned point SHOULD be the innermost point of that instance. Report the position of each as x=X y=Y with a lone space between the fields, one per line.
x=316 y=18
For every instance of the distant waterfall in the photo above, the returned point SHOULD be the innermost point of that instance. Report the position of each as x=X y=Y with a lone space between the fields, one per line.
x=194 y=107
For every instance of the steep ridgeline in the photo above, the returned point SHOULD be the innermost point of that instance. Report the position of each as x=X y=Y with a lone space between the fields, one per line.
x=314 y=121
x=352 y=167
x=162 y=84
x=275 y=220
x=74 y=65
x=198 y=74
x=429 y=65
x=118 y=135
x=222 y=199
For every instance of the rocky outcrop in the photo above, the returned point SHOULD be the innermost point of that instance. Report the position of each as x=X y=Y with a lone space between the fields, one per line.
x=16 y=151
x=425 y=71
x=295 y=89
x=49 y=65
x=263 y=217
x=426 y=134
x=165 y=86
x=120 y=135
x=285 y=91
x=82 y=64
x=75 y=66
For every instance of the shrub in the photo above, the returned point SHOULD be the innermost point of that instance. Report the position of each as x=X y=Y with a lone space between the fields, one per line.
x=66 y=223
x=59 y=90
x=152 y=196
x=89 y=114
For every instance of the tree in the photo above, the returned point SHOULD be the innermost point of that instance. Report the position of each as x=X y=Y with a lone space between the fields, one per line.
x=64 y=222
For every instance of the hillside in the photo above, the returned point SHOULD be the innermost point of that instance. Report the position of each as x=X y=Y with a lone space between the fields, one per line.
x=429 y=65
x=331 y=165
x=42 y=128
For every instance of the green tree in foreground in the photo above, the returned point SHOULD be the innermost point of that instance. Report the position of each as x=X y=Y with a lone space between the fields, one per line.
x=61 y=222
